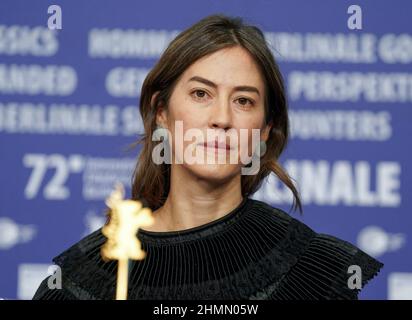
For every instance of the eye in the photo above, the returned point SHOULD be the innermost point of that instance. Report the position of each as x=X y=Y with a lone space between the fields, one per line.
x=199 y=94
x=245 y=102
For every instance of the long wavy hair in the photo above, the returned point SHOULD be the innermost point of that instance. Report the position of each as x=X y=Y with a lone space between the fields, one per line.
x=151 y=181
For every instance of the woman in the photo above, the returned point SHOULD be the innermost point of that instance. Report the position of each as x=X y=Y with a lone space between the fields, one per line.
x=209 y=239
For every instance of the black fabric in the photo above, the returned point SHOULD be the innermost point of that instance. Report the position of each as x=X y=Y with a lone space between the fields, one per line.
x=253 y=252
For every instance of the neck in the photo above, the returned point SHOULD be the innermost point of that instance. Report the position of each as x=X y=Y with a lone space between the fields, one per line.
x=194 y=201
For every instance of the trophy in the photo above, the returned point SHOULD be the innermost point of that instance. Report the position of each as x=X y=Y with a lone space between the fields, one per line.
x=125 y=218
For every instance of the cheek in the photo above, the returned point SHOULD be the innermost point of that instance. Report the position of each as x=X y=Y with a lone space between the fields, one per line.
x=183 y=125
x=248 y=139
x=182 y=110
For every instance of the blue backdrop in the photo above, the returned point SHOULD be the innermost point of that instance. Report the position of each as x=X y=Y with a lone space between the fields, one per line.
x=68 y=110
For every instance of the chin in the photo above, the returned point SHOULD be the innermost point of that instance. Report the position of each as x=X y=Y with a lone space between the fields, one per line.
x=215 y=172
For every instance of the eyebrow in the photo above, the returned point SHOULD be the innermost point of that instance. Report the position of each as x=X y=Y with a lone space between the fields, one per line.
x=214 y=85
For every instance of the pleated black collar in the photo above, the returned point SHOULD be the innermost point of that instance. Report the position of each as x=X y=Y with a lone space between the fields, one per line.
x=255 y=251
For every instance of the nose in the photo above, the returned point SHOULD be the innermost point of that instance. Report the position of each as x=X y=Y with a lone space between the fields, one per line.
x=221 y=115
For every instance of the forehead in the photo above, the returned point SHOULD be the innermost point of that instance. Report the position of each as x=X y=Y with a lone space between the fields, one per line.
x=232 y=66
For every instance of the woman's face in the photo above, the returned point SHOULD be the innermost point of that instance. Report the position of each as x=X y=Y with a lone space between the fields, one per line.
x=217 y=96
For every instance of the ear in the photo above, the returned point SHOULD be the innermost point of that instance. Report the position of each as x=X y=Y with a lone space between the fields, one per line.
x=161 y=112
x=266 y=131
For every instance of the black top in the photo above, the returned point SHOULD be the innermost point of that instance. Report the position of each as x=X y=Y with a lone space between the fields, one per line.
x=253 y=252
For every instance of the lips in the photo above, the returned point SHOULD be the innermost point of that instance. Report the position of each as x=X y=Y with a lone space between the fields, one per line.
x=216 y=144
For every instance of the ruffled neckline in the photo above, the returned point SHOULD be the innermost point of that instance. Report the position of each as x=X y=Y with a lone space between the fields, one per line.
x=253 y=252
x=212 y=227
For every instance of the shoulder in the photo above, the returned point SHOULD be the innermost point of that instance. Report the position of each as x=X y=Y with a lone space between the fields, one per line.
x=85 y=275
x=324 y=266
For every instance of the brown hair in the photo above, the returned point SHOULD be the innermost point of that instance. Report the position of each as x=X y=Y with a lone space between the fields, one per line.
x=151 y=182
